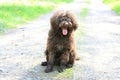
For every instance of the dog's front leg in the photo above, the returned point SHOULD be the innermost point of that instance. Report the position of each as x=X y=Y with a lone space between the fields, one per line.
x=50 y=62
x=47 y=56
x=64 y=58
x=71 y=59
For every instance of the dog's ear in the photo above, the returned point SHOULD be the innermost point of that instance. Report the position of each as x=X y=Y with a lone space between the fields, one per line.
x=71 y=15
x=53 y=21
x=55 y=18
x=75 y=25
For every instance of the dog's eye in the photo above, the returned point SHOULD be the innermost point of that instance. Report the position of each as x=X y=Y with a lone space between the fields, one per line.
x=69 y=20
x=64 y=19
x=60 y=20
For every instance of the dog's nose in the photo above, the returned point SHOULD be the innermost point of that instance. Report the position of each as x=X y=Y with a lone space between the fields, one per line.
x=65 y=24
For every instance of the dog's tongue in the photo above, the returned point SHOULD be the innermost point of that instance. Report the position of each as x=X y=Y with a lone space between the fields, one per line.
x=64 y=31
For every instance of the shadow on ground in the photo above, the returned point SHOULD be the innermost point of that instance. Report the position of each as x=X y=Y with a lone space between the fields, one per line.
x=37 y=73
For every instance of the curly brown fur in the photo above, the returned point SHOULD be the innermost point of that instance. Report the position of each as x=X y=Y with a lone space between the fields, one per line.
x=61 y=43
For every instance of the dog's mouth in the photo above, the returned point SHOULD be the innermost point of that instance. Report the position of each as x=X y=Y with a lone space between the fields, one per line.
x=64 y=31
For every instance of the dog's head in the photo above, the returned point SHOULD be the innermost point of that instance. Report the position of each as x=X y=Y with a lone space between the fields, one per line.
x=64 y=21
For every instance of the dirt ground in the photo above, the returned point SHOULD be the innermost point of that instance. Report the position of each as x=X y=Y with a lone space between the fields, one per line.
x=22 y=49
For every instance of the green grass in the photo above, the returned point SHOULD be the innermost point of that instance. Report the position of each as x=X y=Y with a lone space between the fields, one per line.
x=66 y=75
x=11 y=15
x=88 y=1
x=84 y=12
x=114 y=4
x=82 y=17
x=59 y=1
x=19 y=12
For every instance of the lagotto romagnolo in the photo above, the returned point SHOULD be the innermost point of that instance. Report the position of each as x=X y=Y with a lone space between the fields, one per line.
x=61 y=50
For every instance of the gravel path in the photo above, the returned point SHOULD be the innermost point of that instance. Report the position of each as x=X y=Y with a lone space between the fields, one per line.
x=100 y=45
x=21 y=50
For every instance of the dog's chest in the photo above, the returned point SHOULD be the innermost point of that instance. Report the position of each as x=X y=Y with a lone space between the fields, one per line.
x=62 y=44
x=59 y=47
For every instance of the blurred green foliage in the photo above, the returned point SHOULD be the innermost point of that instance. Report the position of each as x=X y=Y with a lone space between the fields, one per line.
x=114 y=4
x=55 y=1
x=13 y=13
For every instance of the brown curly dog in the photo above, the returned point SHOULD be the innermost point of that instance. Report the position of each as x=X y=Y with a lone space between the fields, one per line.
x=61 y=49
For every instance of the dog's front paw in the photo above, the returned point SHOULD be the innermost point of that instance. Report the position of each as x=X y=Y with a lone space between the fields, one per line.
x=61 y=69
x=69 y=65
x=48 y=69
